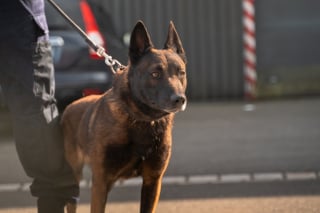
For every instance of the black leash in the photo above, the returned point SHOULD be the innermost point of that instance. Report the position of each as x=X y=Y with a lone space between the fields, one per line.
x=112 y=63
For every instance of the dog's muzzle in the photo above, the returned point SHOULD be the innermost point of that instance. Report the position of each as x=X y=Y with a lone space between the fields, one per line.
x=178 y=103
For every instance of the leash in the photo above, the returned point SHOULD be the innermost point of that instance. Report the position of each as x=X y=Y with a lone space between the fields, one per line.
x=112 y=63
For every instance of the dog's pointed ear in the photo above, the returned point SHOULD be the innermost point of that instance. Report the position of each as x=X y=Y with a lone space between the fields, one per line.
x=140 y=42
x=174 y=43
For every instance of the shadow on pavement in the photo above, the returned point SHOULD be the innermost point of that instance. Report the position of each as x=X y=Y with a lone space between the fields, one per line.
x=185 y=192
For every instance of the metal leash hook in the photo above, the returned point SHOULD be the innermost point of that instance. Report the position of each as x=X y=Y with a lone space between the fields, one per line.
x=112 y=63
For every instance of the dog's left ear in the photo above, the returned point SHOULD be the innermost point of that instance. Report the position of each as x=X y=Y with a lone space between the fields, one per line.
x=140 y=42
x=174 y=43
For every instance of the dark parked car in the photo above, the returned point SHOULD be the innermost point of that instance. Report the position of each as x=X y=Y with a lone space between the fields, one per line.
x=78 y=70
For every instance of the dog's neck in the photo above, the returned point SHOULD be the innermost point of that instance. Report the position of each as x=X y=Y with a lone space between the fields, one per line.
x=152 y=114
x=136 y=109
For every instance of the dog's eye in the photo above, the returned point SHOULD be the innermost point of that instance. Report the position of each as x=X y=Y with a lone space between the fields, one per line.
x=156 y=74
x=181 y=73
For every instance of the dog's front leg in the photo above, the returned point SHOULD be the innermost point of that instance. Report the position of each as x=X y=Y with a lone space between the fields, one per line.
x=150 y=194
x=101 y=185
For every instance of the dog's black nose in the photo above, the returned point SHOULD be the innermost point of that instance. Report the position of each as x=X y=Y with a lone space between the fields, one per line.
x=178 y=99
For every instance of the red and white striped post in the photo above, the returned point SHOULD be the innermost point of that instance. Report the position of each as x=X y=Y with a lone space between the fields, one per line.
x=249 y=44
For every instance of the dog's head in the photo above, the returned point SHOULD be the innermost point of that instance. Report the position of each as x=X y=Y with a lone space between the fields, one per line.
x=157 y=77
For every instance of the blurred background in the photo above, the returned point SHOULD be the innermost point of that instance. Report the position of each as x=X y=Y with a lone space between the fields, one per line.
x=287 y=37
x=287 y=47
x=226 y=149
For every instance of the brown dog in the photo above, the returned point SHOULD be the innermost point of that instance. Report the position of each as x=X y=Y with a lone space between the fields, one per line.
x=126 y=132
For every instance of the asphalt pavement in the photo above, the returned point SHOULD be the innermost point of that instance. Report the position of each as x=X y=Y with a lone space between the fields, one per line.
x=264 y=153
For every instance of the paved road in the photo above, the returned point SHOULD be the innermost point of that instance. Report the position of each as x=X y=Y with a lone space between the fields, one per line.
x=276 y=197
x=220 y=151
x=223 y=138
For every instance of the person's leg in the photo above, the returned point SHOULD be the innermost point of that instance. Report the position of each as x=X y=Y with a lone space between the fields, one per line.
x=28 y=84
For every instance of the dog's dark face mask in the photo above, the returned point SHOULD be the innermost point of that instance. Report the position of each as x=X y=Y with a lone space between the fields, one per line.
x=157 y=78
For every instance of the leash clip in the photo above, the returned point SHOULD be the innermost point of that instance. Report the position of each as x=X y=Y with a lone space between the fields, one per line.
x=109 y=61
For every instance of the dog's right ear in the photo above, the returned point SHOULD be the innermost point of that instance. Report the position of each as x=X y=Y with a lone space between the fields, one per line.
x=174 y=42
x=140 y=42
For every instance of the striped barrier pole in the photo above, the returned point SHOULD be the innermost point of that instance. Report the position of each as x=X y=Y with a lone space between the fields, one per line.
x=249 y=44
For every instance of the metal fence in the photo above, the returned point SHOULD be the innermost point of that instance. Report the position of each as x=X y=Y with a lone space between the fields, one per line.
x=211 y=32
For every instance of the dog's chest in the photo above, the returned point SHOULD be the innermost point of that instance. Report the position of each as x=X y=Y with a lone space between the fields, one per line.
x=145 y=143
x=145 y=138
